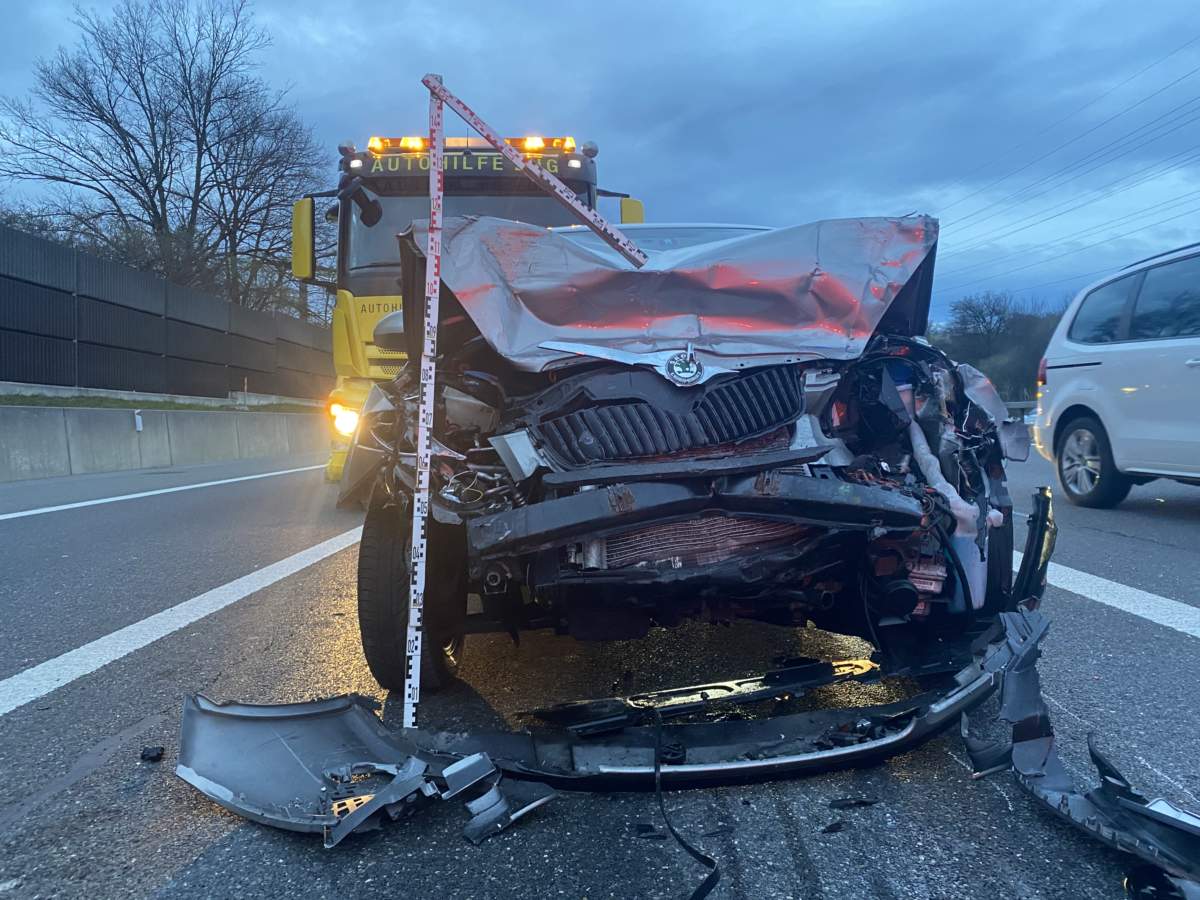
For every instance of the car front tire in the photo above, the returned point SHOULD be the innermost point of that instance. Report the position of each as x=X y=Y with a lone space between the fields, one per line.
x=384 y=555
x=1086 y=470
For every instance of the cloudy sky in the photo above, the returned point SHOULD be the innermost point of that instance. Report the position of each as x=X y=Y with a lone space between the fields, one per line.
x=1054 y=141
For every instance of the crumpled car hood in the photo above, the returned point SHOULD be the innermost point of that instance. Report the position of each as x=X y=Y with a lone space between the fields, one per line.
x=803 y=292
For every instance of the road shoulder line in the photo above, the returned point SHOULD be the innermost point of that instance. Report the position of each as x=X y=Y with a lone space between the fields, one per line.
x=38 y=681
x=22 y=513
x=1161 y=610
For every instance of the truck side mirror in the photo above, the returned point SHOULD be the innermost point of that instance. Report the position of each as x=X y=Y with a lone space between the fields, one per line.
x=389 y=333
x=633 y=212
x=304 y=261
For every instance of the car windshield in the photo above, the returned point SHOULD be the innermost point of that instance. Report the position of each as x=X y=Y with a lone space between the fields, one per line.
x=523 y=201
x=665 y=237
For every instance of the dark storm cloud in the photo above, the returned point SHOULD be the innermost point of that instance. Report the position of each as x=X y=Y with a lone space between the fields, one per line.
x=785 y=112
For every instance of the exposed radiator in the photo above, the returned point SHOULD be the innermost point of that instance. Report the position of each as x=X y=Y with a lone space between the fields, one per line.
x=698 y=542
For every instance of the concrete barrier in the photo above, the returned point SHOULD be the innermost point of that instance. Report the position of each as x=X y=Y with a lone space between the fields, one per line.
x=40 y=442
x=261 y=434
x=235 y=400
x=154 y=442
x=307 y=434
x=100 y=441
x=33 y=443
x=200 y=437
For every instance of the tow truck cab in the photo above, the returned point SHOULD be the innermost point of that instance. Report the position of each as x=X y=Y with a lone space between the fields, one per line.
x=381 y=191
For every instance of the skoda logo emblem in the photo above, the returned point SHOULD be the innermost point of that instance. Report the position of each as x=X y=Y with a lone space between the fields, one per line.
x=683 y=368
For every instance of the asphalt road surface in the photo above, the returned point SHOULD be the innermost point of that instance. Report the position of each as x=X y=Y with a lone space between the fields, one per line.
x=271 y=562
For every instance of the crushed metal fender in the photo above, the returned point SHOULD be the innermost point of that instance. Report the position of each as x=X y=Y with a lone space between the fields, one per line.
x=1162 y=836
x=330 y=766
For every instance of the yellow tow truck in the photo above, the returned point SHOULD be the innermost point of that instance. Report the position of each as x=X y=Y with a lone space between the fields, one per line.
x=381 y=190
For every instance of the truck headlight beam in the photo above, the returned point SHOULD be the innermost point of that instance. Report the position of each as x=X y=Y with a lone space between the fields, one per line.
x=345 y=421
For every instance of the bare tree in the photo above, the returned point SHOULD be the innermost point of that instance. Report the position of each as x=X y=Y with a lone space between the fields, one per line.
x=1000 y=335
x=984 y=318
x=160 y=145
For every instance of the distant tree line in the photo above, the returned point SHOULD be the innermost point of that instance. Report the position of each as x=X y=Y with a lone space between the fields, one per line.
x=1001 y=336
x=156 y=144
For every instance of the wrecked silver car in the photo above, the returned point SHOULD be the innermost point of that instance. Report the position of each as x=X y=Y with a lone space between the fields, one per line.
x=749 y=426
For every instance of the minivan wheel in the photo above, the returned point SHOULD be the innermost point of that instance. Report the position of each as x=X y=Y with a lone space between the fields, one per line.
x=1086 y=469
x=384 y=554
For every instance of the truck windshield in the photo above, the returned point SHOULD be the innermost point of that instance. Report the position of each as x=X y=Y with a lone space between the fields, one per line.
x=376 y=246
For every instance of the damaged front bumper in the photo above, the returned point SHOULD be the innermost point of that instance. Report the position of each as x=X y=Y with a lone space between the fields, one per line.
x=1162 y=836
x=331 y=766
x=736 y=751
x=831 y=503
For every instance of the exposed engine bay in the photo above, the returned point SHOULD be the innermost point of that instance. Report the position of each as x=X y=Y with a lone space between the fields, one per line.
x=602 y=493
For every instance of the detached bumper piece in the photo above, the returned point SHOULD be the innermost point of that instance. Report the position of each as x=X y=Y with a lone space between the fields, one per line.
x=604 y=746
x=330 y=766
x=594 y=717
x=1163 y=837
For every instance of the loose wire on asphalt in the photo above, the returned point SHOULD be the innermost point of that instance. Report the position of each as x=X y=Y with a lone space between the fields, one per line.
x=714 y=876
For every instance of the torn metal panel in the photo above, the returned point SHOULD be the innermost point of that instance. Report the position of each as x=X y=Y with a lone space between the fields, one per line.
x=368 y=451
x=518 y=453
x=803 y=292
x=1040 y=537
x=1014 y=433
x=1157 y=832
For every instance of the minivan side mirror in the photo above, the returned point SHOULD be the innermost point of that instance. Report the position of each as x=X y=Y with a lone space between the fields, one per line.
x=389 y=333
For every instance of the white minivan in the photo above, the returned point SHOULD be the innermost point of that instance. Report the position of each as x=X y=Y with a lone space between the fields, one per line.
x=1119 y=385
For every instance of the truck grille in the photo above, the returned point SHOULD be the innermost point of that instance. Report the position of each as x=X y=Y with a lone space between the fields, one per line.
x=699 y=542
x=735 y=410
x=389 y=367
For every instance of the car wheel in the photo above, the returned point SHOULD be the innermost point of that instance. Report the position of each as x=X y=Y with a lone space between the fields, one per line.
x=384 y=555
x=1086 y=469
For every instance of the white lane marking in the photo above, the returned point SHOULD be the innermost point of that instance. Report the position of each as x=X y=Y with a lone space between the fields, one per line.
x=37 y=681
x=1078 y=718
x=1151 y=607
x=20 y=514
x=1092 y=727
x=1167 y=778
x=966 y=765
